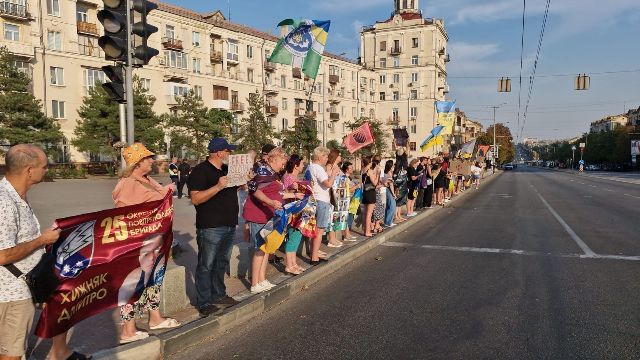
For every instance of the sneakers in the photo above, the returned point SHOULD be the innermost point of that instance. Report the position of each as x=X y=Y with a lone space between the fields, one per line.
x=209 y=310
x=412 y=214
x=226 y=301
x=262 y=287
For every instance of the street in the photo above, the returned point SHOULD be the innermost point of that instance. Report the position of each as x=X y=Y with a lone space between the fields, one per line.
x=538 y=264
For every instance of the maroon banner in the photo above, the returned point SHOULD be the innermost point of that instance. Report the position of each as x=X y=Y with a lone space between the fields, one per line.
x=106 y=259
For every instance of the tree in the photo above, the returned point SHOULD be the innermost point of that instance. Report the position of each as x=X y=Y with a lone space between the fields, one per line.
x=504 y=140
x=99 y=125
x=335 y=145
x=256 y=130
x=192 y=125
x=302 y=139
x=21 y=117
x=379 y=146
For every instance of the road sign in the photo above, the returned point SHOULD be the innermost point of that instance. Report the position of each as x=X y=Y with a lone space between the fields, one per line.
x=581 y=162
x=582 y=145
x=573 y=148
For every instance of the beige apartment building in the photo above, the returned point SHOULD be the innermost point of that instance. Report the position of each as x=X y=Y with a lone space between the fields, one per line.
x=464 y=130
x=224 y=62
x=609 y=123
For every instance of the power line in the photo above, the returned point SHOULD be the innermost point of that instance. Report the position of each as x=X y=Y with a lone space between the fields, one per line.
x=524 y=9
x=550 y=75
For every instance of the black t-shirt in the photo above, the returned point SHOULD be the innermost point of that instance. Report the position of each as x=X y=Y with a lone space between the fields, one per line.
x=221 y=209
x=412 y=172
x=184 y=169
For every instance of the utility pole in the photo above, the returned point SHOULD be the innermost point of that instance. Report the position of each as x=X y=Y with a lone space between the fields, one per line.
x=128 y=78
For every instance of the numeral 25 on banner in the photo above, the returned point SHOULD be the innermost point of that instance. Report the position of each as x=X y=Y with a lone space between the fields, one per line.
x=115 y=229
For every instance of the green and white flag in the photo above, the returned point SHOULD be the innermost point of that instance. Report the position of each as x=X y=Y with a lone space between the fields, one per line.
x=303 y=46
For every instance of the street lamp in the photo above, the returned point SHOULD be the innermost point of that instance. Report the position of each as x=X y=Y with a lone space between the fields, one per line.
x=573 y=155
x=495 y=150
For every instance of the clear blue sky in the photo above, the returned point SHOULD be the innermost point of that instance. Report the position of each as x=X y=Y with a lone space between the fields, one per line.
x=582 y=36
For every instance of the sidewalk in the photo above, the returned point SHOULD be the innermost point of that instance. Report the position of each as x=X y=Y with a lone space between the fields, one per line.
x=101 y=332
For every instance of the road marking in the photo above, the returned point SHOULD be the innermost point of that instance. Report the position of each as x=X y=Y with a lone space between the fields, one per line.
x=509 y=251
x=587 y=251
x=592 y=186
x=609 y=190
x=633 y=196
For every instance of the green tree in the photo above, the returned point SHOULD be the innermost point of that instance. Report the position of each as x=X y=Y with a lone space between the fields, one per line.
x=504 y=139
x=256 y=130
x=99 y=125
x=193 y=125
x=302 y=139
x=380 y=145
x=21 y=116
x=335 y=145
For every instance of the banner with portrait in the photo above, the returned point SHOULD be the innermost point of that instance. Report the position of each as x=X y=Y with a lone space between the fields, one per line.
x=106 y=259
x=340 y=200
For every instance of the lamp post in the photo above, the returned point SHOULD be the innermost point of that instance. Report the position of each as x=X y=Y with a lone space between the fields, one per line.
x=573 y=155
x=495 y=148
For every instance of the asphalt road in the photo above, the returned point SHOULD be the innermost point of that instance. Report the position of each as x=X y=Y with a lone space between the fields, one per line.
x=536 y=265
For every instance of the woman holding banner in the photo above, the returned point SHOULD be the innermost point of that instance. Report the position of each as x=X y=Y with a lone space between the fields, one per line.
x=135 y=187
x=294 y=236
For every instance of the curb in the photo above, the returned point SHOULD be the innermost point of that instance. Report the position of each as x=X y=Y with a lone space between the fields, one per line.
x=195 y=332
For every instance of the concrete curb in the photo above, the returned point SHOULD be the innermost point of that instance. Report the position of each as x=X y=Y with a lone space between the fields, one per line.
x=199 y=330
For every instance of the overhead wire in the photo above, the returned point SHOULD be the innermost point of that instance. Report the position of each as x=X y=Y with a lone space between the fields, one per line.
x=524 y=9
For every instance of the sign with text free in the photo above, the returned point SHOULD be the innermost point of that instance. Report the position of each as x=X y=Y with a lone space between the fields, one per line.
x=240 y=167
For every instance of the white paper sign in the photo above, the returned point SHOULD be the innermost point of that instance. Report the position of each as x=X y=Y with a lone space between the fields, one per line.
x=239 y=169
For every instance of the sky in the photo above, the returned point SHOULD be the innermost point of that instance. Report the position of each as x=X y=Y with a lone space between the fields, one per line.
x=594 y=37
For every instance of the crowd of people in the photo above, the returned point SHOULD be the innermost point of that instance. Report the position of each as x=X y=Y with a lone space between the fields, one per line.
x=381 y=196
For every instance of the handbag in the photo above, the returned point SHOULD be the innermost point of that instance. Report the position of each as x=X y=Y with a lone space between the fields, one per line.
x=41 y=280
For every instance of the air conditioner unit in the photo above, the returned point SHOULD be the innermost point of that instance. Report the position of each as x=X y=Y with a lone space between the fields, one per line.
x=391 y=85
x=410 y=84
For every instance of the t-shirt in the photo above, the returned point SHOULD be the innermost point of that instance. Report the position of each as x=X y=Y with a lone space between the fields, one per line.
x=316 y=175
x=184 y=169
x=475 y=170
x=132 y=191
x=173 y=170
x=222 y=208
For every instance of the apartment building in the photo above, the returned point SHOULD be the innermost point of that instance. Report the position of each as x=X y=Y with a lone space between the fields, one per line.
x=609 y=123
x=408 y=54
x=223 y=62
x=464 y=130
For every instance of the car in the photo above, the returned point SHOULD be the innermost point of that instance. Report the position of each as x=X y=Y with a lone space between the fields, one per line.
x=508 y=167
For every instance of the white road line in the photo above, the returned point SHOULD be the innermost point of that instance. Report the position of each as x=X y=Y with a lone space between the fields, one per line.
x=587 y=251
x=509 y=251
x=609 y=190
x=633 y=196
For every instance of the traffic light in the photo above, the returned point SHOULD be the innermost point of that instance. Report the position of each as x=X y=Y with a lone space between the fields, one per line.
x=115 y=88
x=582 y=82
x=142 y=53
x=504 y=85
x=114 y=19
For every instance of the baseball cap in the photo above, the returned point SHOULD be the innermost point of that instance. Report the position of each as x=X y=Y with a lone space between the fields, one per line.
x=219 y=144
x=266 y=149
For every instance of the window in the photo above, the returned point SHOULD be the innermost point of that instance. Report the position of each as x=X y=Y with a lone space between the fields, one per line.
x=414 y=77
x=414 y=60
x=383 y=46
x=53 y=7
x=249 y=52
x=11 y=32
x=220 y=93
x=285 y=104
x=285 y=124
x=196 y=65
x=414 y=42
x=353 y=94
x=283 y=81
x=250 y=75
x=232 y=54
x=414 y=112
x=396 y=61
x=22 y=66
x=57 y=109
x=195 y=38
x=353 y=112
x=81 y=13
x=91 y=76
x=235 y=124
x=395 y=113
x=170 y=32
x=372 y=83
x=296 y=85
x=197 y=91
x=362 y=112
x=334 y=70
x=88 y=45
x=396 y=78
x=396 y=44
x=383 y=62
x=145 y=83
x=54 y=40
x=414 y=129
x=414 y=94
x=383 y=96
x=57 y=76
x=179 y=90
x=396 y=95
x=175 y=59
x=383 y=79
x=412 y=146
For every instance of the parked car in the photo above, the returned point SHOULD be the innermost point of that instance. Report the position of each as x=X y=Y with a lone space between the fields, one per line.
x=508 y=166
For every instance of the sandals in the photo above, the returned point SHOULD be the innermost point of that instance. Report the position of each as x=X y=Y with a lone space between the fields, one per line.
x=168 y=323
x=292 y=271
x=138 y=336
x=332 y=245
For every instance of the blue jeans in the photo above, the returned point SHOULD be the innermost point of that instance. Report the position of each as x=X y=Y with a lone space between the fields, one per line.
x=390 y=208
x=214 y=251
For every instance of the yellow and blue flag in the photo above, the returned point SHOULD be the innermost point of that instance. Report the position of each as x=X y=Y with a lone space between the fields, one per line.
x=303 y=46
x=446 y=115
x=434 y=138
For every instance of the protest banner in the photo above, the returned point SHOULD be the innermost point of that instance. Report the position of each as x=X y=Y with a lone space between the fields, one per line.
x=239 y=169
x=359 y=138
x=341 y=201
x=106 y=259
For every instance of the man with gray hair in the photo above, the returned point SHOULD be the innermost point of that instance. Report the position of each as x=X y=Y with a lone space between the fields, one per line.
x=22 y=245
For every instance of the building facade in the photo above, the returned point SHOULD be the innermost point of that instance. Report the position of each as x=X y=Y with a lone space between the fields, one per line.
x=223 y=62
x=609 y=123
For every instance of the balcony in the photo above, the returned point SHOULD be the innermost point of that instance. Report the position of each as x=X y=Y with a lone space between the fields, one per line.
x=269 y=66
x=215 y=56
x=334 y=99
x=300 y=112
x=334 y=116
x=237 y=107
x=14 y=11
x=87 y=28
x=393 y=120
x=271 y=110
x=271 y=90
x=172 y=44
x=334 y=79
x=395 y=51
x=178 y=75
x=221 y=105
x=447 y=58
x=171 y=100
x=310 y=113
x=232 y=59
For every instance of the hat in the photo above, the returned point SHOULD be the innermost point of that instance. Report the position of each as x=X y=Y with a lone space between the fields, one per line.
x=266 y=149
x=134 y=153
x=219 y=144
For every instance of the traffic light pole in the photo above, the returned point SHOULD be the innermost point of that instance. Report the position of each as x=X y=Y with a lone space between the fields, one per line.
x=123 y=129
x=129 y=79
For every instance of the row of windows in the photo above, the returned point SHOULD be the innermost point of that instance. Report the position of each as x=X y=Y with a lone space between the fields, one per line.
x=396 y=61
x=396 y=44
x=396 y=78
